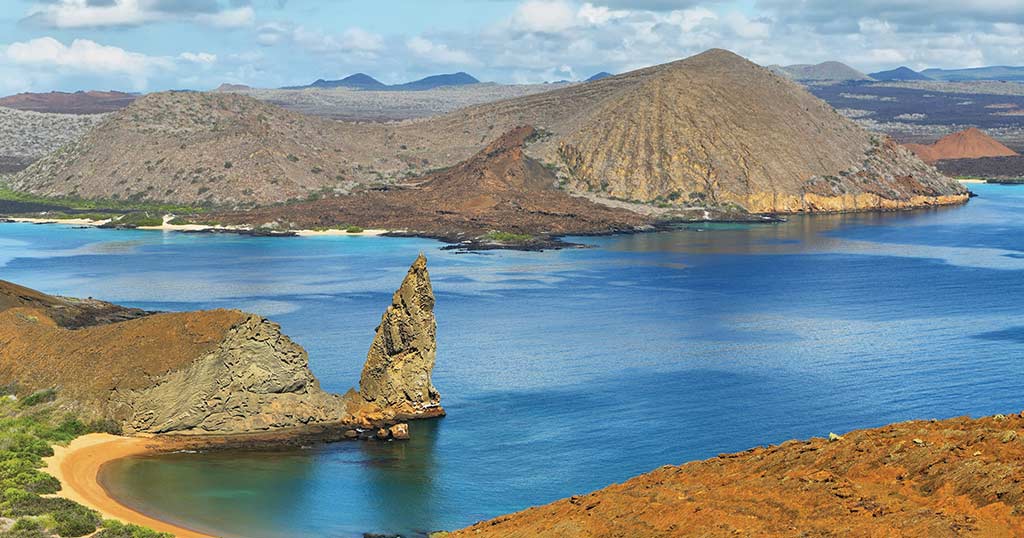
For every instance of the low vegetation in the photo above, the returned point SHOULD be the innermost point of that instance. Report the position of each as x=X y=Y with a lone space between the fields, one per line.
x=28 y=430
x=507 y=237
x=105 y=207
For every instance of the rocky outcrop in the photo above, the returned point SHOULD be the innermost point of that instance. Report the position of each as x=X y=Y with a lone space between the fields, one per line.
x=255 y=379
x=401 y=359
x=942 y=479
x=213 y=373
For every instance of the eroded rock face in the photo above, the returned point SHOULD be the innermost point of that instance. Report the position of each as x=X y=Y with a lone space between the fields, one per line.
x=398 y=367
x=257 y=379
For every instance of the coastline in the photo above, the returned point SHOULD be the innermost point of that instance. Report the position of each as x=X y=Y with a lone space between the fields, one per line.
x=168 y=227
x=78 y=465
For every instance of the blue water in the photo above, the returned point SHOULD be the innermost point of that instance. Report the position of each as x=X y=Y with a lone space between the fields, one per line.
x=563 y=372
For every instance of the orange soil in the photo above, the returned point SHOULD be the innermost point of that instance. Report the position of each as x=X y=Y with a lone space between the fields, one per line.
x=951 y=478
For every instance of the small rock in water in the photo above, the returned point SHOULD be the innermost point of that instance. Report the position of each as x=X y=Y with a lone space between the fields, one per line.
x=383 y=434
x=351 y=434
x=400 y=431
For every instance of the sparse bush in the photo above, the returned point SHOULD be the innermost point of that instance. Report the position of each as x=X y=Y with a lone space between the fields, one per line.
x=292 y=158
x=507 y=237
x=116 y=529
x=39 y=397
x=228 y=164
x=75 y=521
x=354 y=230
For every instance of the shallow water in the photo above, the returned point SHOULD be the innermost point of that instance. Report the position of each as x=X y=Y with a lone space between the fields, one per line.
x=563 y=372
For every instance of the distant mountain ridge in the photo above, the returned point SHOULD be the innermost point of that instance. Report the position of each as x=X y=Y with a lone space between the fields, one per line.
x=362 y=81
x=599 y=76
x=997 y=72
x=900 y=73
x=831 y=70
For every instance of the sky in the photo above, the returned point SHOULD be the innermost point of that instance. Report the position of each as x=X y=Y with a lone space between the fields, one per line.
x=151 y=45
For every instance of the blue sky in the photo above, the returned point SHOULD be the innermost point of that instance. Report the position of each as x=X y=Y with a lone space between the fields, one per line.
x=147 y=45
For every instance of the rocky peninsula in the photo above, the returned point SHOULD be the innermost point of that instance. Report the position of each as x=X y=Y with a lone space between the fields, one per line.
x=219 y=377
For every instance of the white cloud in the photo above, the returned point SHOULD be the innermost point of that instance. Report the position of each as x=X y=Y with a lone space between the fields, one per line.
x=438 y=53
x=92 y=14
x=550 y=16
x=747 y=28
x=45 y=60
x=229 y=18
x=204 y=58
x=81 y=55
x=354 y=41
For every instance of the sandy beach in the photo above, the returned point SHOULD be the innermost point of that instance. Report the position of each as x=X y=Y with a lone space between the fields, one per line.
x=168 y=227
x=77 y=466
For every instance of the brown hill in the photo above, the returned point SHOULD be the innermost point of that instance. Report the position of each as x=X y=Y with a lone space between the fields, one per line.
x=710 y=130
x=499 y=188
x=67 y=312
x=971 y=143
x=80 y=102
x=218 y=372
x=951 y=478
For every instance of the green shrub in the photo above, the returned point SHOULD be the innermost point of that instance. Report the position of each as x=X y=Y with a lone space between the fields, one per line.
x=354 y=230
x=27 y=524
x=11 y=441
x=39 y=397
x=507 y=237
x=116 y=529
x=78 y=521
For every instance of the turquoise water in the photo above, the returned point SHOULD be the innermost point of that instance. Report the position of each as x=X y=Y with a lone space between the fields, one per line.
x=566 y=371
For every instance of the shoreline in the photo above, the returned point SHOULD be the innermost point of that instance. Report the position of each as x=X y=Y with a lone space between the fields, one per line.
x=168 y=227
x=78 y=465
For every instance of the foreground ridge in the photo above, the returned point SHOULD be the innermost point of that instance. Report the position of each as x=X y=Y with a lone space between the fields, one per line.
x=955 y=477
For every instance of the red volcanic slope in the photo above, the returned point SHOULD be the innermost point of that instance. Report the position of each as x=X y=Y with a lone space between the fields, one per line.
x=969 y=144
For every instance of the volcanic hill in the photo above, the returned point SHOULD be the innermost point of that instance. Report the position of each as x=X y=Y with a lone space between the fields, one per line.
x=499 y=188
x=713 y=130
x=80 y=102
x=217 y=372
x=971 y=143
x=825 y=71
x=941 y=479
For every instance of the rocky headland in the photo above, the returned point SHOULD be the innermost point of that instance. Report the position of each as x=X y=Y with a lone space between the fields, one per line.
x=951 y=478
x=219 y=377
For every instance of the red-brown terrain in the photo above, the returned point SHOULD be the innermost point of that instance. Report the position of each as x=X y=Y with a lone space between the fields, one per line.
x=80 y=102
x=498 y=189
x=950 y=478
x=971 y=143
